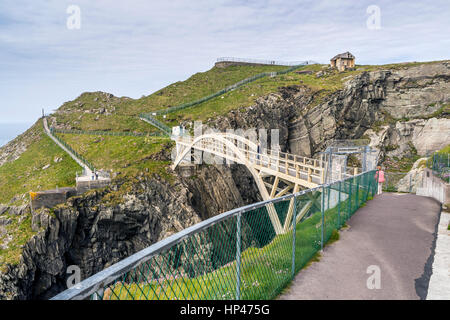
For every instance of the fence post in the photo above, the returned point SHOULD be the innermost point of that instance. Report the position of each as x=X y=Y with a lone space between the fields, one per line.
x=294 y=222
x=357 y=191
x=350 y=198
x=323 y=216
x=339 y=206
x=238 y=256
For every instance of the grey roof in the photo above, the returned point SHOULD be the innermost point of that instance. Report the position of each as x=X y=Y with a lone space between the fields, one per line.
x=345 y=55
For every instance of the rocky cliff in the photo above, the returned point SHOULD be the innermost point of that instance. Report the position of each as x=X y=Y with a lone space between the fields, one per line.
x=105 y=226
x=392 y=107
x=403 y=111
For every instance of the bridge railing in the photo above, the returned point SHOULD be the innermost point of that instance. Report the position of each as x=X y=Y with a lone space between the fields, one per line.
x=236 y=254
x=308 y=169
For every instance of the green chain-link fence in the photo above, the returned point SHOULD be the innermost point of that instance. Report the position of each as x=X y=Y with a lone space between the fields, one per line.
x=223 y=91
x=109 y=133
x=440 y=164
x=149 y=117
x=158 y=124
x=235 y=255
x=79 y=156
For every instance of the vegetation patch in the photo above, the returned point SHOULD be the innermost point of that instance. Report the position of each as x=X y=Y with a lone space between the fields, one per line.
x=42 y=166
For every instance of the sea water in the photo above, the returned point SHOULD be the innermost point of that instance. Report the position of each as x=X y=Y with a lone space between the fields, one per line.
x=8 y=131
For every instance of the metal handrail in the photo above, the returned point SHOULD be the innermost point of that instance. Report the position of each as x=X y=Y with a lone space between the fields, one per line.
x=261 y=61
x=96 y=282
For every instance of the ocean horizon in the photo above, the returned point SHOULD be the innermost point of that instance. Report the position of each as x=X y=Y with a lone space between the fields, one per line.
x=9 y=131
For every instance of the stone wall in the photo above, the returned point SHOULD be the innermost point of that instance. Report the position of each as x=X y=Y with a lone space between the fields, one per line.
x=434 y=187
x=51 y=198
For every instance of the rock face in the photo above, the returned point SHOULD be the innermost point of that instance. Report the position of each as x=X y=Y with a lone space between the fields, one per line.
x=92 y=232
x=95 y=231
x=413 y=178
x=350 y=113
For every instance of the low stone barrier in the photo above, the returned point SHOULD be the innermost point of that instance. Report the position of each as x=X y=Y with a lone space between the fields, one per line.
x=432 y=186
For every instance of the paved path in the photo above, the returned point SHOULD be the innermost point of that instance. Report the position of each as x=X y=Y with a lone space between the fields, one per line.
x=395 y=232
x=87 y=170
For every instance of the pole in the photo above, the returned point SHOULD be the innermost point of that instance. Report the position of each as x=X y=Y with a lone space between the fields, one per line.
x=238 y=256
x=294 y=221
x=358 y=179
x=339 y=206
x=410 y=188
x=350 y=198
x=323 y=217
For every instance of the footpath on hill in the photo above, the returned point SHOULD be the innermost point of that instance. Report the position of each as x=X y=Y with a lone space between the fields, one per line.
x=393 y=234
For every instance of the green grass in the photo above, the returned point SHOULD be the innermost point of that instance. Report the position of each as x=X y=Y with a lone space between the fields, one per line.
x=265 y=270
x=122 y=155
x=20 y=230
x=124 y=111
x=25 y=174
x=445 y=150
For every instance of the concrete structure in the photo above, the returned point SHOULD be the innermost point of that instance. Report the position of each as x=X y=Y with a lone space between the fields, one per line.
x=439 y=286
x=51 y=198
x=432 y=186
x=343 y=61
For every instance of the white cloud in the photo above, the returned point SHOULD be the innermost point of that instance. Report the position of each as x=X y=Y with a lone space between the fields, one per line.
x=135 y=47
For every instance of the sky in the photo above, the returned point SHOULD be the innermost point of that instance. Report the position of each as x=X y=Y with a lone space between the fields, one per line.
x=50 y=52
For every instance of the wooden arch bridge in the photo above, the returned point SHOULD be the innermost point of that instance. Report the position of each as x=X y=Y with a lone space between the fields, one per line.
x=275 y=173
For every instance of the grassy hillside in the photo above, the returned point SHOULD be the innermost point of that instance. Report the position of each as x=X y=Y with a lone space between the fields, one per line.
x=122 y=155
x=27 y=173
x=101 y=111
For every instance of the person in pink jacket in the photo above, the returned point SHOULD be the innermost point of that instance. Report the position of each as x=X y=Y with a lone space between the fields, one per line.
x=379 y=176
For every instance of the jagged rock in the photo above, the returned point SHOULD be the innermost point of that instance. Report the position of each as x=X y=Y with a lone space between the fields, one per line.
x=93 y=233
x=351 y=112
x=5 y=221
x=413 y=178
x=3 y=209
x=19 y=210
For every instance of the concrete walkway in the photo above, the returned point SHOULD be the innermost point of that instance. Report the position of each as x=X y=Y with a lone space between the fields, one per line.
x=87 y=170
x=395 y=233
x=439 y=288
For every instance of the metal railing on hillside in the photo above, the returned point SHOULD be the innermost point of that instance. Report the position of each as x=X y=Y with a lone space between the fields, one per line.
x=109 y=133
x=158 y=124
x=234 y=255
x=79 y=156
x=261 y=61
x=224 y=90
